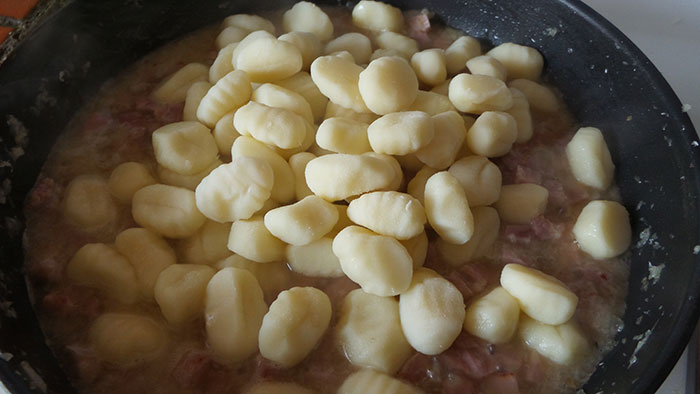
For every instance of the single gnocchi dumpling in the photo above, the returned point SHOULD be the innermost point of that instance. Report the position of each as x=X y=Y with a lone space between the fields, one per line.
x=225 y=133
x=283 y=186
x=480 y=178
x=315 y=259
x=234 y=310
x=247 y=41
x=479 y=93
x=227 y=94
x=207 y=245
x=308 y=17
x=487 y=65
x=563 y=344
x=275 y=126
x=334 y=110
x=278 y=388
x=369 y=330
x=87 y=202
x=431 y=311
x=379 y=264
x=486 y=226
x=369 y=381
x=184 y=147
x=449 y=136
x=447 y=208
x=252 y=240
x=190 y=182
x=459 y=52
x=520 y=61
x=416 y=186
x=195 y=94
x=540 y=97
x=294 y=324
x=397 y=179
x=603 y=229
x=492 y=134
x=343 y=135
x=278 y=97
x=357 y=44
x=302 y=83
x=126 y=339
x=222 y=64
x=388 y=84
x=308 y=45
x=180 y=291
x=541 y=296
x=431 y=103
x=272 y=277
x=249 y=22
x=148 y=253
x=377 y=16
x=521 y=203
x=589 y=158
x=127 y=178
x=337 y=79
x=403 y=45
x=298 y=164
x=268 y=59
x=417 y=247
x=174 y=88
x=101 y=267
x=338 y=176
x=235 y=190
x=400 y=133
x=167 y=210
x=520 y=111
x=391 y=213
x=493 y=317
x=230 y=35
x=430 y=66
x=302 y=222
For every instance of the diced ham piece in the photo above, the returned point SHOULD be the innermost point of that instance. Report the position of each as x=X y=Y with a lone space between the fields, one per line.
x=458 y=384
x=470 y=279
x=421 y=370
x=192 y=369
x=524 y=174
x=546 y=229
x=469 y=356
x=46 y=270
x=511 y=255
x=500 y=383
x=418 y=27
x=47 y=194
x=72 y=301
x=518 y=233
x=84 y=361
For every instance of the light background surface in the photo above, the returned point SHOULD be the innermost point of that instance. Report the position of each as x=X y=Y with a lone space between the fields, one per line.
x=668 y=32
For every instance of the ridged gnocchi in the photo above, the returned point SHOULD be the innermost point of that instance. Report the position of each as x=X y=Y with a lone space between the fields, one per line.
x=389 y=213
x=126 y=339
x=101 y=267
x=180 y=292
x=252 y=240
x=369 y=330
x=168 y=210
x=234 y=310
x=294 y=324
x=302 y=222
x=379 y=264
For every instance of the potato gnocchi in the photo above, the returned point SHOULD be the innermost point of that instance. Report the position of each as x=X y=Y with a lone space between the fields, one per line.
x=317 y=200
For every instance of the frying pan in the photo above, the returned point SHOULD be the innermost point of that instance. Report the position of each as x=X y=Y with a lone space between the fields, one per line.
x=605 y=80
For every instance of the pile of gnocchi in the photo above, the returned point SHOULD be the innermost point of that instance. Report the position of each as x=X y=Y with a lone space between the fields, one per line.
x=338 y=156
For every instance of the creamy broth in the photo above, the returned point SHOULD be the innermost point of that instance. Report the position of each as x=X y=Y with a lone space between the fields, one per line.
x=116 y=127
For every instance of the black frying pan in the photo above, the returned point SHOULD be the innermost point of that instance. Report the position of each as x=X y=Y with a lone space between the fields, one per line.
x=605 y=79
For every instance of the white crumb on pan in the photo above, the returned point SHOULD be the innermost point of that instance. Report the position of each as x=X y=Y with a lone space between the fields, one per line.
x=696 y=250
x=641 y=341
x=6 y=356
x=686 y=107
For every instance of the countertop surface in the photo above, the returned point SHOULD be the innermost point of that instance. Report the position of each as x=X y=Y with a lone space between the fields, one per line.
x=667 y=32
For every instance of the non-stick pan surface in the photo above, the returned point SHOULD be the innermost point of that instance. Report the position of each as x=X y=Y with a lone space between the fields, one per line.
x=605 y=79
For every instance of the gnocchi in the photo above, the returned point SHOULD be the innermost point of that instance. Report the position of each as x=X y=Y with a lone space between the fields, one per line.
x=100 y=266
x=395 y=214
x=379 y=264
x=180 y=291
x=387 y=85
x=167 y=210
x=294 y=324
x=234 y=311
x=369 y=330
x=589 y=158
x=602 y=229
x=401 y=133
x=302 y=222
x=252 y=240
x=447 y=208
x=126 y=339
